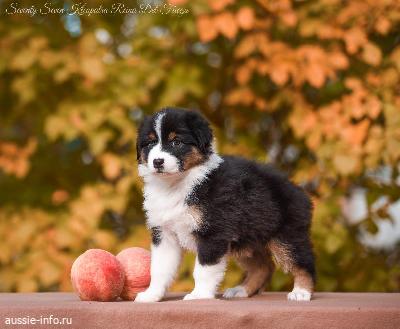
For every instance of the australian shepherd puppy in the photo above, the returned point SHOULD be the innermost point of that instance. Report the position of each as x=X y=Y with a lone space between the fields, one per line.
x=218 y=206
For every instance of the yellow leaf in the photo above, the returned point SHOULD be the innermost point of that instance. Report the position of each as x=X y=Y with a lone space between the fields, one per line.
x=93 y=68
x=49 y=273
x=345 y=163
x=26 y=285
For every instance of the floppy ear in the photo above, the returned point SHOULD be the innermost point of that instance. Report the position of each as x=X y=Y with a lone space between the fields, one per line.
x=201 y=130
x=140 y=136
x=138 y=149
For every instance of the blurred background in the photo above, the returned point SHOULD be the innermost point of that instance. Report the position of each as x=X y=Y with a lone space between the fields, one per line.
x=312 y=86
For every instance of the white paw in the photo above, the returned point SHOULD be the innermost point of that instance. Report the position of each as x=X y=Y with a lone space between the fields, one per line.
x=147 y=297
x=238 y=291
x=299 y=294
x=197 y=295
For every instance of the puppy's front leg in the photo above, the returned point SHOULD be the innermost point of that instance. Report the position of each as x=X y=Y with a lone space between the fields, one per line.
x=207 y=279
x=209 y=269
x=165 y=258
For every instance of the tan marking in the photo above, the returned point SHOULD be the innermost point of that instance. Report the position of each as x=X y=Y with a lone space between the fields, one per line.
x=302 y=279
x=152 y=136
x=192 y=159
x=259 y=268
x=281 y=254
x=142 y=157
x=196 y=214
x=171 y=136
x=242 y=253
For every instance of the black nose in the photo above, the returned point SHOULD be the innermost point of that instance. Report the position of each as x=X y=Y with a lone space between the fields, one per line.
x=158 y=163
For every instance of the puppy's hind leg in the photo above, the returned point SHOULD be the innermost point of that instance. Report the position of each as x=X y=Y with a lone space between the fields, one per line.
x=259 y=268
x=298 y=259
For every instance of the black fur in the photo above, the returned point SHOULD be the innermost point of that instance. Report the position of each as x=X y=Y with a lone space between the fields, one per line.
x=244 y=204
x=191 y=129
x=156 y=235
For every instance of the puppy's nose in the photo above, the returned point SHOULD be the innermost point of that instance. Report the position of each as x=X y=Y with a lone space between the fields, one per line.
x=158 y=163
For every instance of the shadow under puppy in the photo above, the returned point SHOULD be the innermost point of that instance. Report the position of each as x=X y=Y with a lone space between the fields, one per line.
x=218 y=206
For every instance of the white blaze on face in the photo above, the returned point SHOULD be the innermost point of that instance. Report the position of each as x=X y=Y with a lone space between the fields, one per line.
x=171 y=163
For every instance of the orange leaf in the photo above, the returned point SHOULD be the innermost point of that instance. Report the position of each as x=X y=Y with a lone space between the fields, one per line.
x=354 y=39
x=243 y=74
x=339 y=60
x=226 y=24
x=245 y=18
x=355 y=134
x=374 y=79
x=177 y=2
x=206 y=28
x=315 y=75
x=372 y=54
x=313 y=139
x=246 y=46
x=111 y=165
x=279 y=73
x=289 y=18
x=21 y=168
x=309 y=121
x=219 y=4
x=382 y=25
x=59 y=196
x=240 y=96
x=261 y=104
x=374 y=106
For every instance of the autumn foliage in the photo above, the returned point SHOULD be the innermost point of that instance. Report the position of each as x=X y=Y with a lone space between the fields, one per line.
x=311 y=86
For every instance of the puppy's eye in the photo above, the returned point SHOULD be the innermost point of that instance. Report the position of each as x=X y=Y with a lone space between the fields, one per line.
x=149 y=143
x=176 y=143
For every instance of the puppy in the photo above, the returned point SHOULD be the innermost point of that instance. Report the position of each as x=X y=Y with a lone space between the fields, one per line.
x=218 y=206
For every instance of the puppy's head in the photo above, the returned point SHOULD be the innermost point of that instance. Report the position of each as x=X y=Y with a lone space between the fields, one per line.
x=173 y=141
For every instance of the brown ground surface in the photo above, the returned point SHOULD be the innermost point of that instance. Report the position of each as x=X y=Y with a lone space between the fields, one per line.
x=270 y=310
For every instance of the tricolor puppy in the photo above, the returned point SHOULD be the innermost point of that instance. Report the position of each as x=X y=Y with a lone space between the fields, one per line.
x=218 y=206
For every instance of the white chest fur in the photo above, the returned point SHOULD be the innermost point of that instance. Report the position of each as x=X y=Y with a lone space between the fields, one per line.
x=164 y=200
x=165 y=206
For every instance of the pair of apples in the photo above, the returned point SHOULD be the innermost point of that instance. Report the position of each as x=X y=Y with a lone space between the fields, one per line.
x=98 y=275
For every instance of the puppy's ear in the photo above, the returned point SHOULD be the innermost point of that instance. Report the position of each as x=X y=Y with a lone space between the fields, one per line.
x=140 y=136
x=201 y=130
x=138 y=142
x=138 y=149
